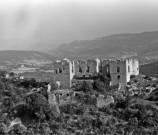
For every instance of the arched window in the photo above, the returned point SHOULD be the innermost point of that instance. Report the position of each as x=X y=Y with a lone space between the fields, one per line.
x=118 y=69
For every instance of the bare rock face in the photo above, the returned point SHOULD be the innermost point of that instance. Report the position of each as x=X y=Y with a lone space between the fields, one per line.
x=102 y=101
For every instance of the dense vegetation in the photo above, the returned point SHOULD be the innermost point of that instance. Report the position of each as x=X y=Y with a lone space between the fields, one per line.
x=129 y=115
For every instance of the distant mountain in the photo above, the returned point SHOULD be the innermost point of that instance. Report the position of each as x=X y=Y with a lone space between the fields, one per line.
x=144 y=44
x=19 y=56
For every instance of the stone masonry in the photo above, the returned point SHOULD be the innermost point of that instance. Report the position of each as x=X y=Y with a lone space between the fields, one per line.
x=119 y=70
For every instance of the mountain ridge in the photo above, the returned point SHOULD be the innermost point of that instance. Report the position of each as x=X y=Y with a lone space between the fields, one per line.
x=143 y=44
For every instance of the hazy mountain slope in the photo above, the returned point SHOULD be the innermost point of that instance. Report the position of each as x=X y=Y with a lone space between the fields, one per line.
x=18 y=56
x=151 y=48
x=111 y=46
x=150 y=69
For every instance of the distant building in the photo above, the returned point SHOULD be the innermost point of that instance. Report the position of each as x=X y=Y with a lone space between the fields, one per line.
x=66 y=71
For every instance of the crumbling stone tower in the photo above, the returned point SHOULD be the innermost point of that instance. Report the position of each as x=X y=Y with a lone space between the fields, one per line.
x=63 y=73
x=118 y=72
x=121 y=70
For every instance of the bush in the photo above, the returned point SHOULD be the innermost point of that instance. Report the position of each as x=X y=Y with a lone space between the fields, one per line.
x=72 y=109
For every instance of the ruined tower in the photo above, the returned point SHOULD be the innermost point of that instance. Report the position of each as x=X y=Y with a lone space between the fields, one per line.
x=63 y=73
x=121 y=70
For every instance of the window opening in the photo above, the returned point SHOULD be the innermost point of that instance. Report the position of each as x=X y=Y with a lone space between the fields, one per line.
x=80 y=69
x=118 y=69
x=88 y=69
x=118 y=77
x=56 y=71
x=60 y=70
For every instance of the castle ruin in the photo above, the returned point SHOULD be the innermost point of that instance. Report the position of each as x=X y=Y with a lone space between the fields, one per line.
x=66 y=71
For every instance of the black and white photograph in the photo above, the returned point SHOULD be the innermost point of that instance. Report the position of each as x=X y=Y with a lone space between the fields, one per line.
x=78 y=67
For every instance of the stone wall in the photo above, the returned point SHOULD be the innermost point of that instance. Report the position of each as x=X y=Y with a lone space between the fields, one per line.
x=129 y=68
x=64 y=96
x=132 y=66
x=87 y=68
x=105 y=67
x=80 y=82
x=135 y=67
x=119 y=70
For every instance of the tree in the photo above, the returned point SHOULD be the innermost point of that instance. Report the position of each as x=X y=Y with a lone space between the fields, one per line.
x=102 y=83
x=3 y=73
x=11 y=74
x=86 y=87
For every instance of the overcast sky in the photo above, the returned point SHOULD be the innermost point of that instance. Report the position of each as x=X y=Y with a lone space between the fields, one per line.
x=26 y=24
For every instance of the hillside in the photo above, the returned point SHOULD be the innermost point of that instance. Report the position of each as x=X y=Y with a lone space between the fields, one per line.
x=144 y=44
x=28 y=108
x=14 y=56
x=150 y=69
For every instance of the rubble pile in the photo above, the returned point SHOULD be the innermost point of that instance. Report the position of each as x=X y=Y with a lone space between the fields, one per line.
x=141 y=85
